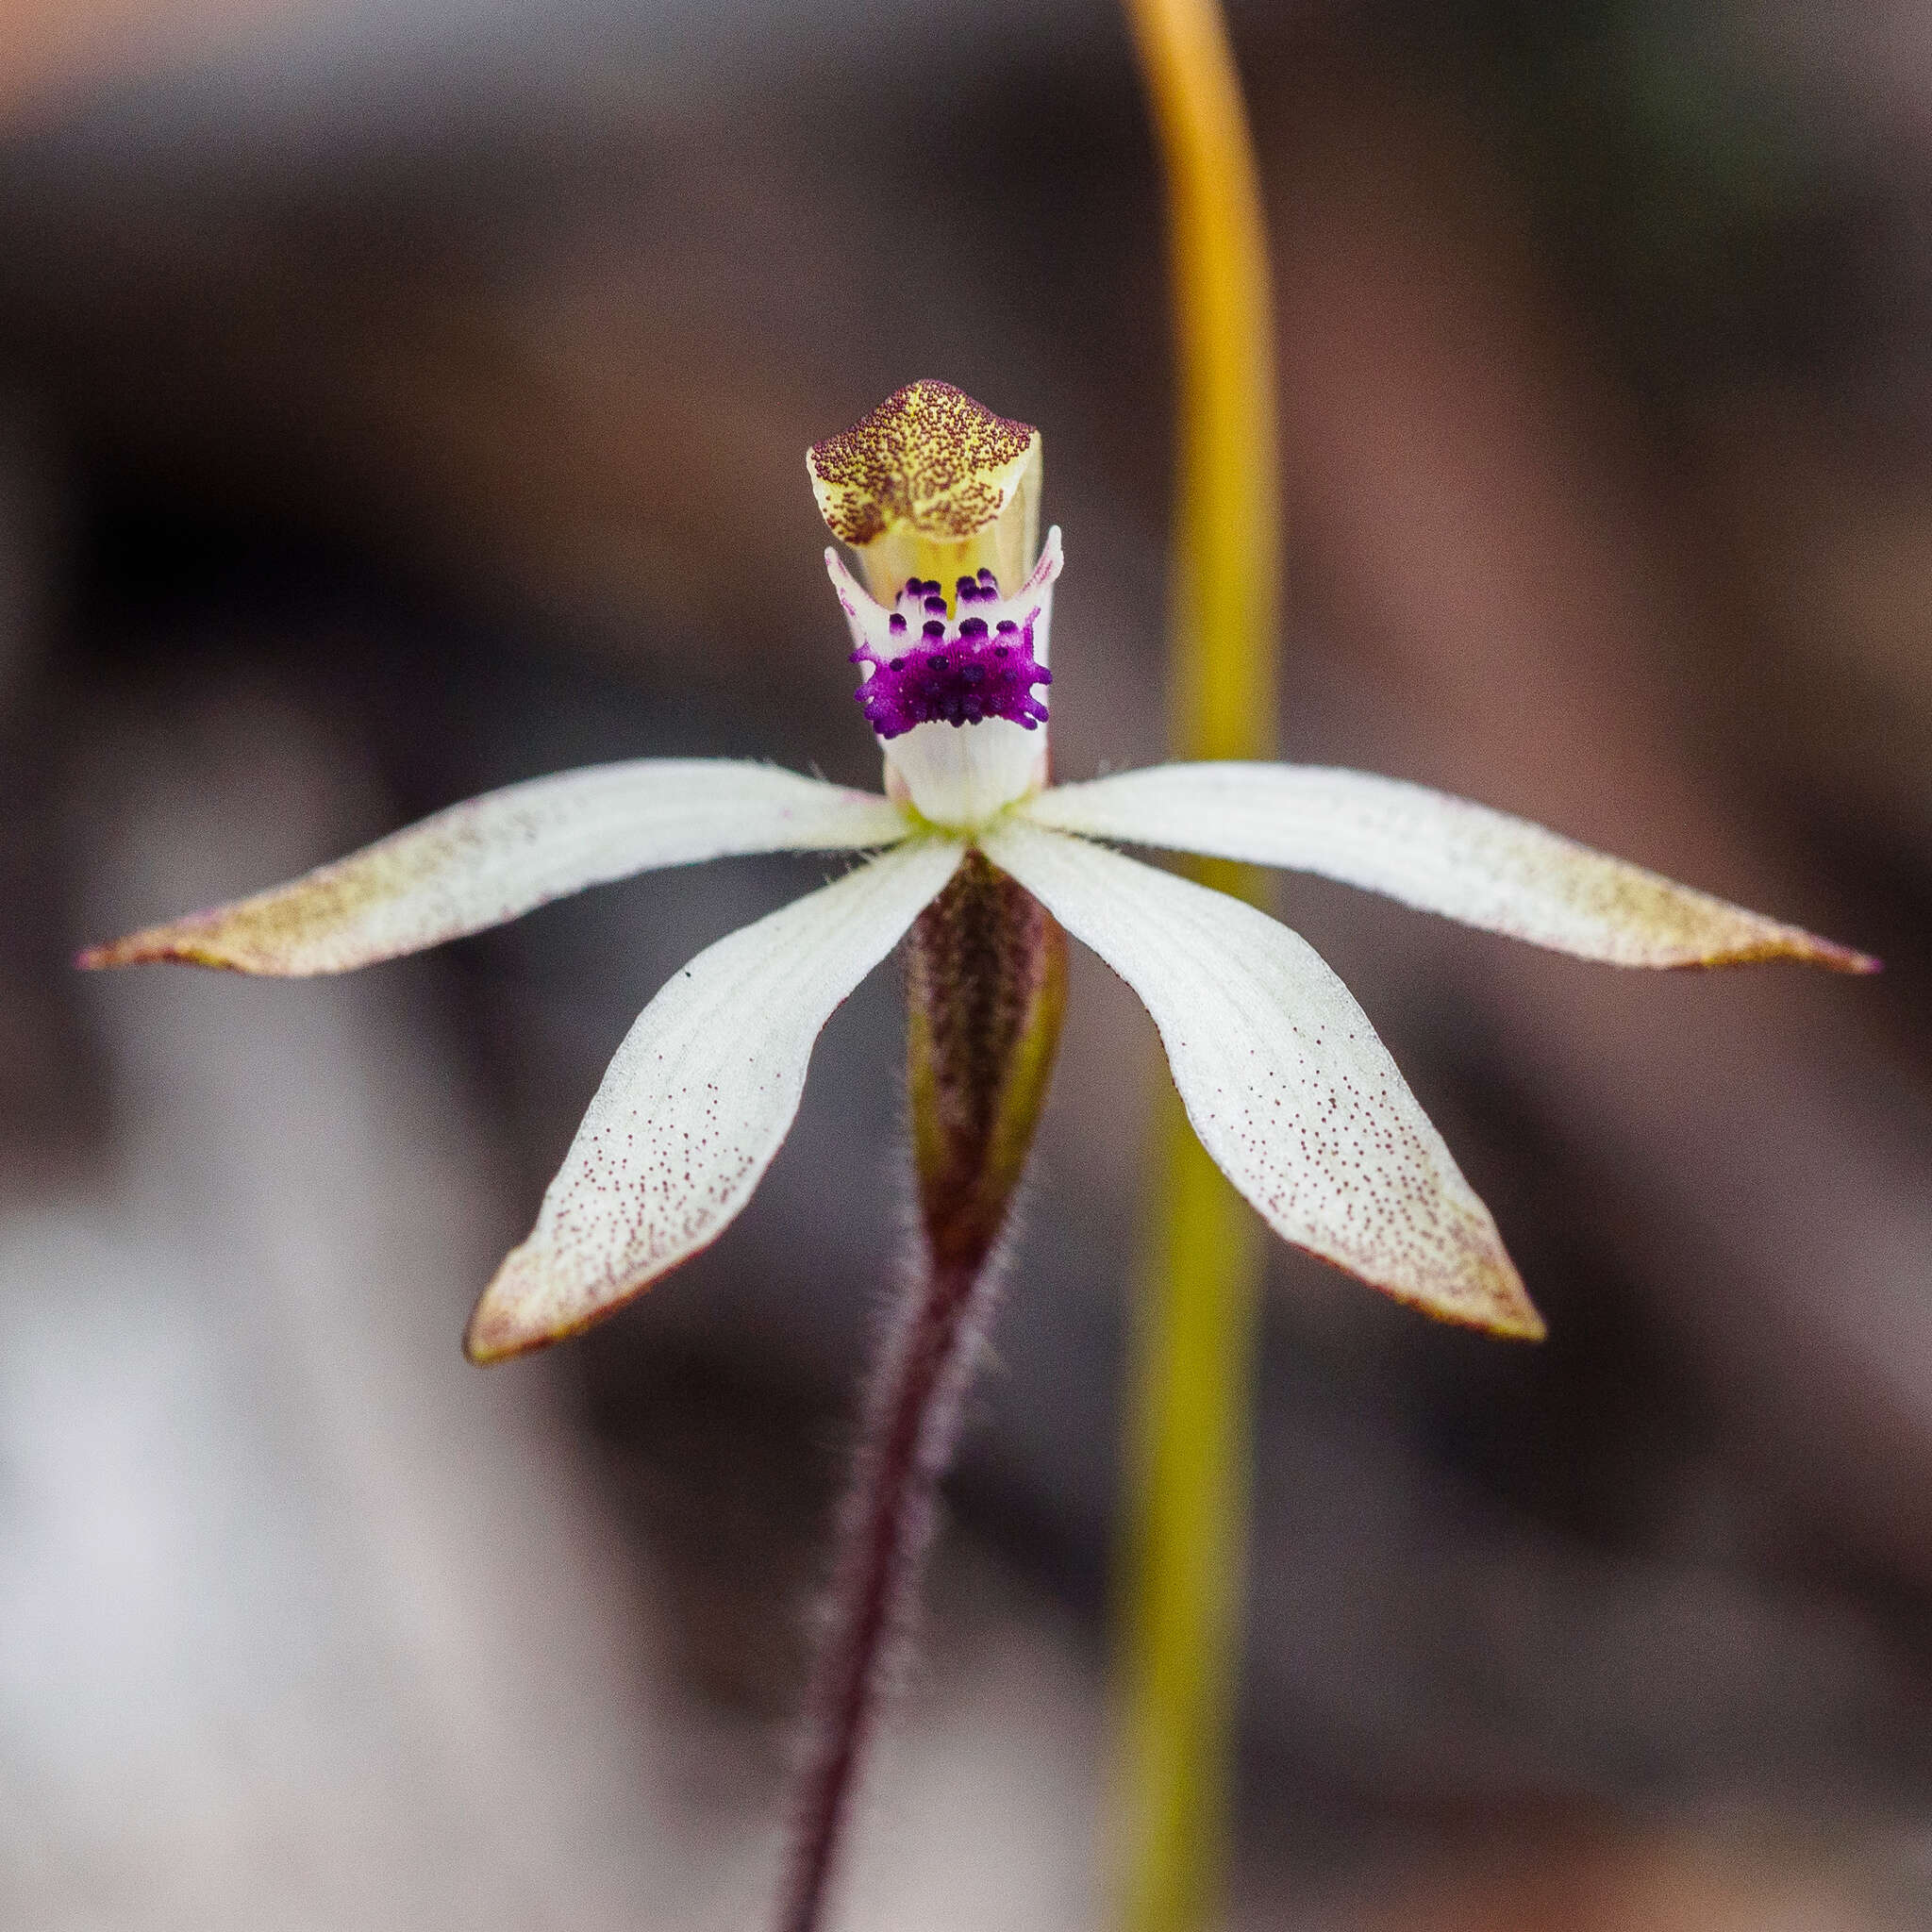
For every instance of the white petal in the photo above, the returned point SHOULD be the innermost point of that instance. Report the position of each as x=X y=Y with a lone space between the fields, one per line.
x=1431 y=851
x=482 y=863
x=697 y=1100
x=1283 y=1078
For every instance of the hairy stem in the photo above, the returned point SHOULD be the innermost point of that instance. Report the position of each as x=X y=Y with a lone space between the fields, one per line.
x=911 y=1428
x=985 y=987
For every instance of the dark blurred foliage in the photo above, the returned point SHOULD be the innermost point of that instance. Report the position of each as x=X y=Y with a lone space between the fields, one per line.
x=397 y=407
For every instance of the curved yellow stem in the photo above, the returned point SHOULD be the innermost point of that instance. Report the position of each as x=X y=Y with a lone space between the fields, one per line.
x=1193 y=1354
x=1228 y=501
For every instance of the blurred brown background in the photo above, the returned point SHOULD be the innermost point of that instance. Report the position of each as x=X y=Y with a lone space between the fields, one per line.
x=402 y=397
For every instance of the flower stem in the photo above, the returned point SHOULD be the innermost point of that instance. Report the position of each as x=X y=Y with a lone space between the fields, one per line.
x=985 y=989
x=911 y=1424
x=1227 y=520
x=1191 y=1372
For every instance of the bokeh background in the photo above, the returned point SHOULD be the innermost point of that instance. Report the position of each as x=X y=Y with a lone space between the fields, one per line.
x=403 y=397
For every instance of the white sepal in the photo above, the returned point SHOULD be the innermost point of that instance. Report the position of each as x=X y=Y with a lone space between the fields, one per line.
x=492 y=858
x=1432 y=851
x=1283 y=1078
x=697 y=1100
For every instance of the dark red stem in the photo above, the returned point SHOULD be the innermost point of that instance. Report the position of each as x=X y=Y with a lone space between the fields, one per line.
x=911 y=1424
x=985 y=987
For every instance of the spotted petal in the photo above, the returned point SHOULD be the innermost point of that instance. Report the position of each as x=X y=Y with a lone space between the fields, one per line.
x=1431 y=851
x=1283 y=1078
x=697 y=1100
x=480 y=863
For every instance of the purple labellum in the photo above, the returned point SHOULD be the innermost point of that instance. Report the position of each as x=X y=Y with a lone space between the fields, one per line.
x=953 y=674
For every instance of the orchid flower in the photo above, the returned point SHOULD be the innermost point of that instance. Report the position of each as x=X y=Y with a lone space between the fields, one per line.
x=1282 y=1075
x=984 y=867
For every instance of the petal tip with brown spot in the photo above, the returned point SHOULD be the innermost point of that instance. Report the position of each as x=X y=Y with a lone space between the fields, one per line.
x=1501 y=1307
x=526 y=1308
x=510 y=1318
x=1482 y=1290
x=1793 y=943
x=186 y=943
